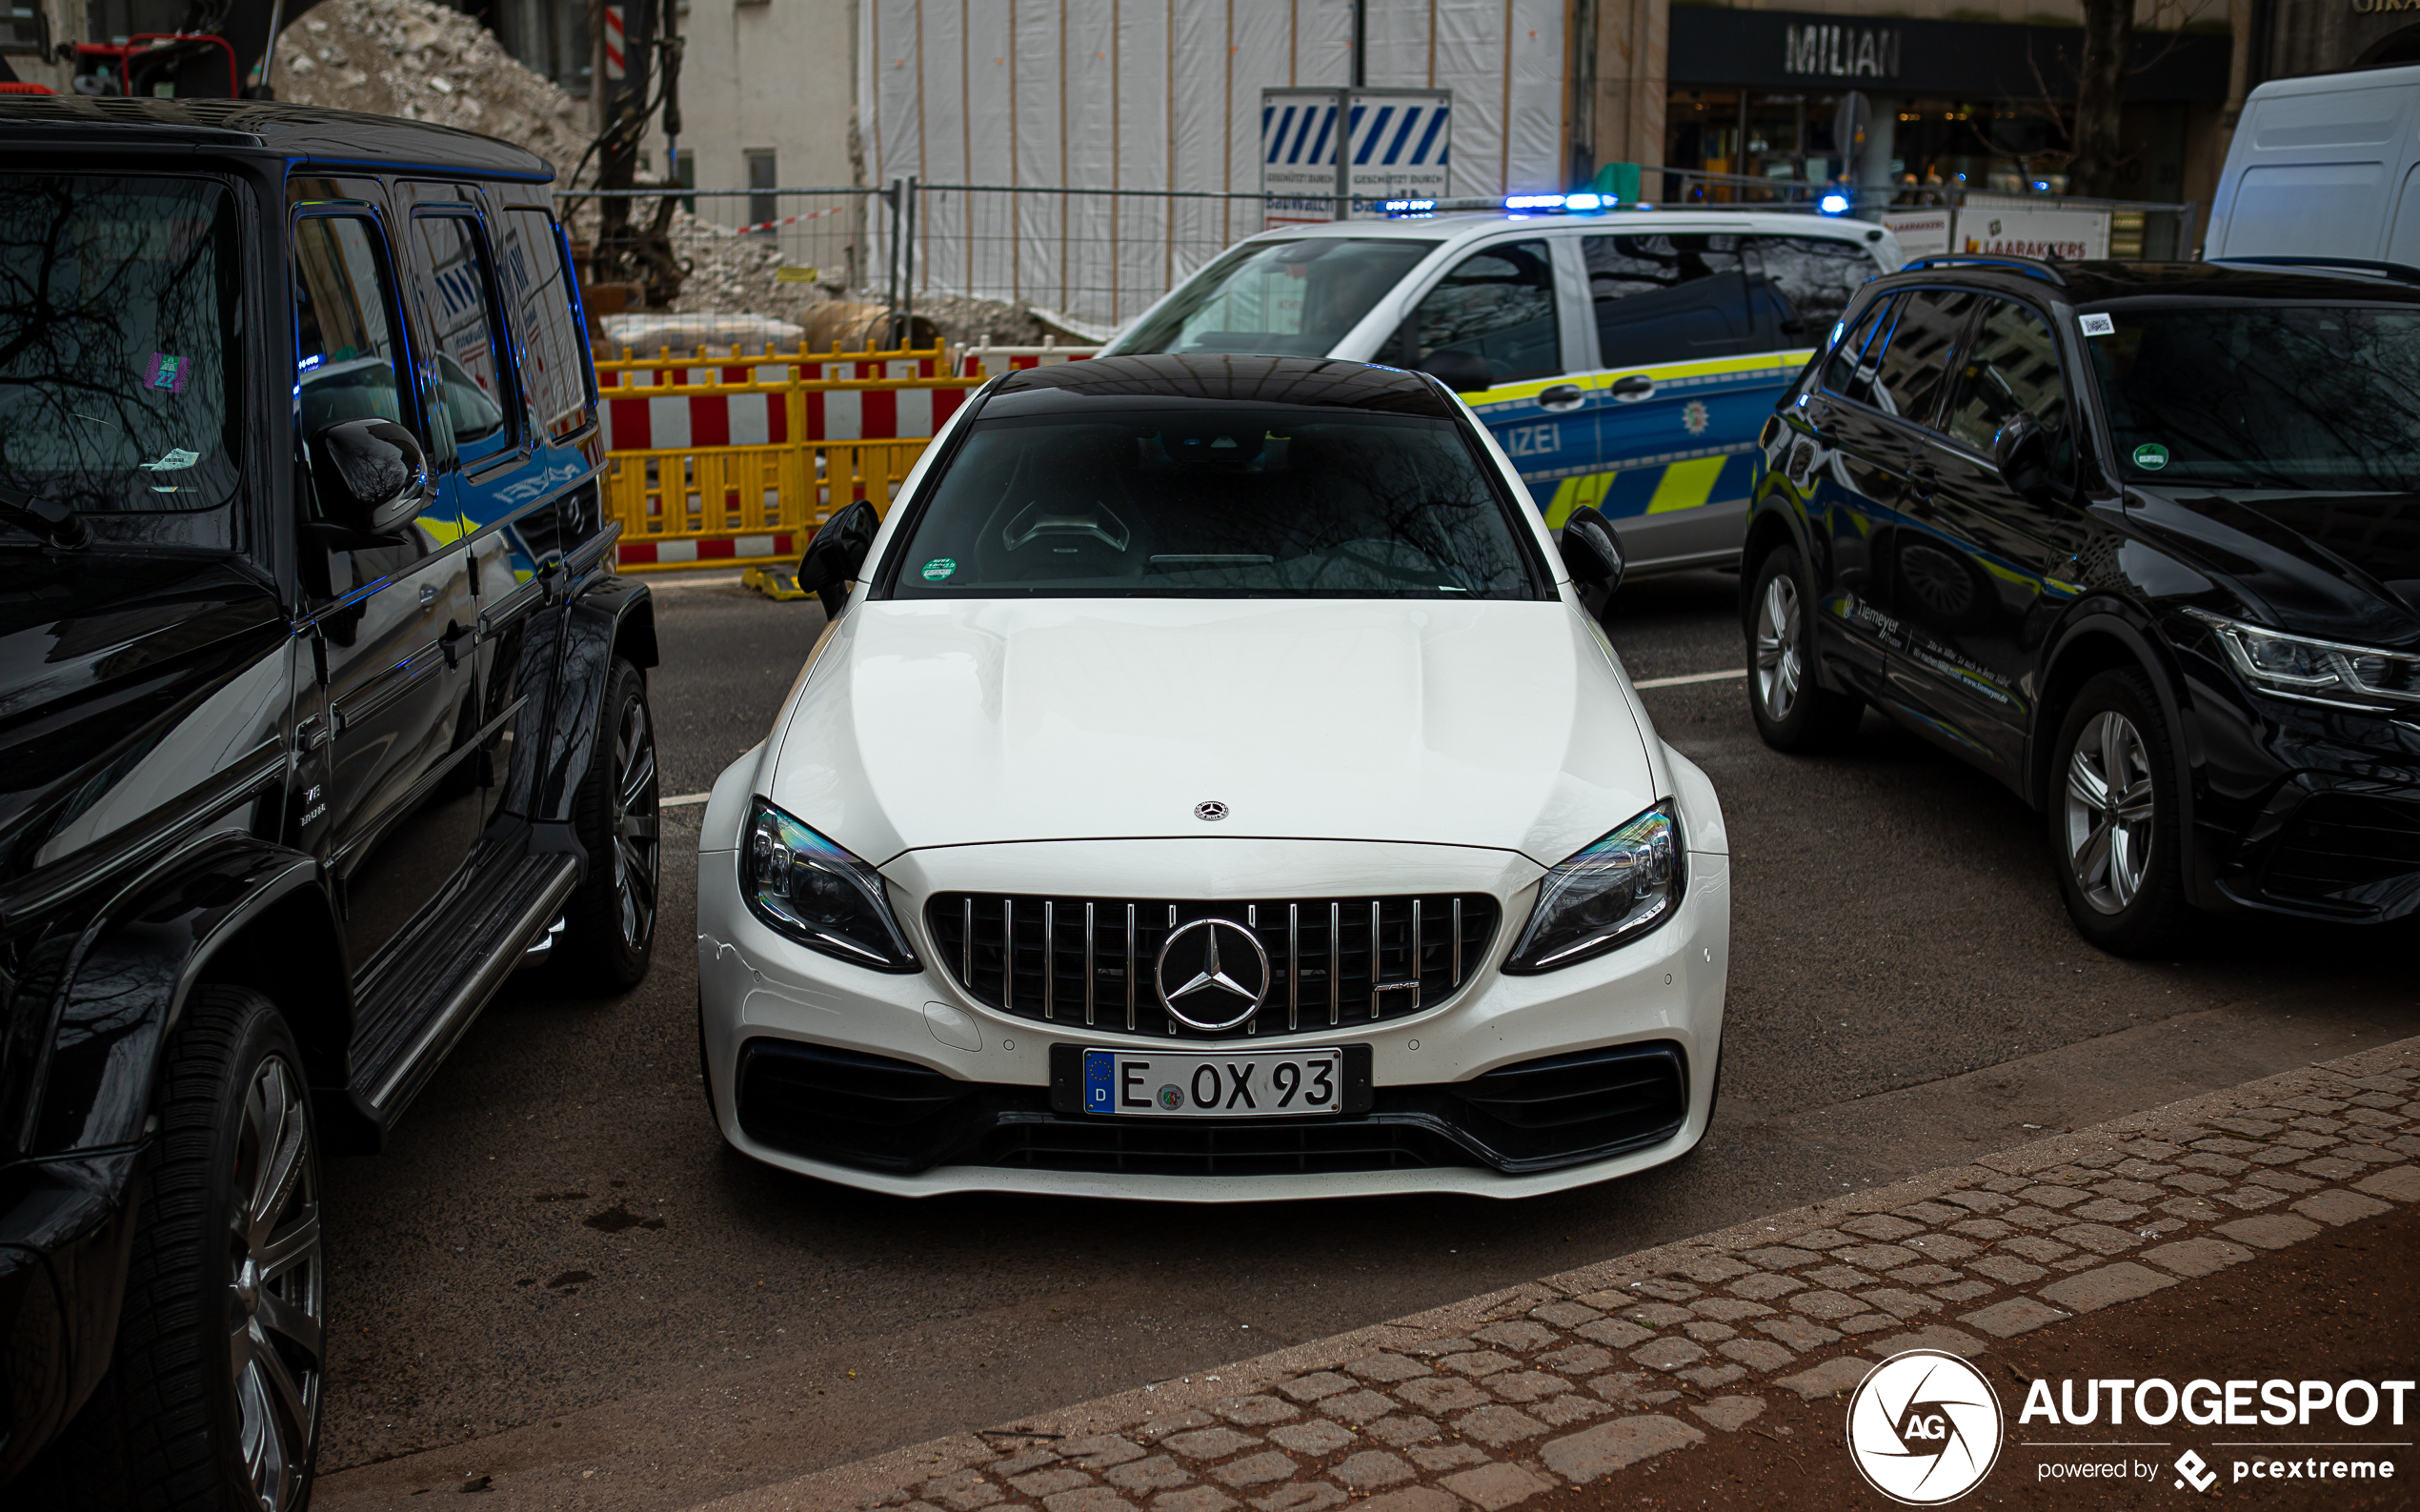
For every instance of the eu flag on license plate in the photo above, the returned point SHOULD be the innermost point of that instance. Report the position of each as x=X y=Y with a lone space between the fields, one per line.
x=1100 y=1071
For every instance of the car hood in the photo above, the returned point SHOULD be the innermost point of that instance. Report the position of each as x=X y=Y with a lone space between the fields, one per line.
x=1497 y=724
x=2336 y=566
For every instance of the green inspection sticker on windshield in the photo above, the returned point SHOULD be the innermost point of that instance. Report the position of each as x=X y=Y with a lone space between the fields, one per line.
x=940 y=567
x=2150 y=456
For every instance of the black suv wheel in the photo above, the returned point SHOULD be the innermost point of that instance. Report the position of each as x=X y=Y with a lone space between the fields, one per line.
x=609 y=924
x=1793 y=711
x=2113 y=819
x=211 y=1401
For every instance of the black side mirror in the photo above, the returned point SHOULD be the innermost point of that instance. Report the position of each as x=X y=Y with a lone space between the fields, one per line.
x=1462 y=372
x=2022 y=451
x=1592 y=553
x=370 y=476
x=836 y=554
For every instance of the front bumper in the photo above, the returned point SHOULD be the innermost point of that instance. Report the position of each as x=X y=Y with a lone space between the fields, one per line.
x=808 y=1058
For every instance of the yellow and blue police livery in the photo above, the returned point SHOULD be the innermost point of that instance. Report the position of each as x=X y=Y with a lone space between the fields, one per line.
x=1626 y=359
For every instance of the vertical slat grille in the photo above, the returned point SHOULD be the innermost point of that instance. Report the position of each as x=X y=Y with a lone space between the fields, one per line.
x=1368 y=958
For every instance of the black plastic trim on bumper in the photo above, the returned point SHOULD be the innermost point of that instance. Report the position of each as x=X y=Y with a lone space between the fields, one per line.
x=876 y=1113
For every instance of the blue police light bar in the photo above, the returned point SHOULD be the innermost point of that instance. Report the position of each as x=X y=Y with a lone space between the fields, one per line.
x=1585 y=202
x=1532 y=202
x=1833 y=204
x=1410 y=207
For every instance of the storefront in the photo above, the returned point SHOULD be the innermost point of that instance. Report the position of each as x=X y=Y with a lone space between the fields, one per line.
x=1760 y=94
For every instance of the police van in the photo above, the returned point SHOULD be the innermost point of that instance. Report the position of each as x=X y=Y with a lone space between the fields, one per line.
x=1626 y=359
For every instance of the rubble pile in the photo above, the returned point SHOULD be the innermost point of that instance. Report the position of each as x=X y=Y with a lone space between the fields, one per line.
x=424 y=62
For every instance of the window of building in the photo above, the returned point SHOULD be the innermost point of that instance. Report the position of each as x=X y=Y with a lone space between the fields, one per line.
x=762 y=174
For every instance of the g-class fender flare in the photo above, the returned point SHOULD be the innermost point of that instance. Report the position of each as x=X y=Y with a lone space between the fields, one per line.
x=614 y=616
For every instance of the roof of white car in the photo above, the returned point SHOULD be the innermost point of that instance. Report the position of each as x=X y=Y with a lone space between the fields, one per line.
x=1466 y=225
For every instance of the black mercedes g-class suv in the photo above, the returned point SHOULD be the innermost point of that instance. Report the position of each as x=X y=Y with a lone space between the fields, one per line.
x=321 y=711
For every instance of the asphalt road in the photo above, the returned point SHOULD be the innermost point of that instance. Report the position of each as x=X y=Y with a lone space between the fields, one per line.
x=558 y=1277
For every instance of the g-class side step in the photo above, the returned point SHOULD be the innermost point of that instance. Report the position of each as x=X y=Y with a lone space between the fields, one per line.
x=414 y=1011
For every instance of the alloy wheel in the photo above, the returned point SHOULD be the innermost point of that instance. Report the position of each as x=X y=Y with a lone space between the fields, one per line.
x=636 y=825
x=276 y=1288
x=2109 y=811
x=1777 y=664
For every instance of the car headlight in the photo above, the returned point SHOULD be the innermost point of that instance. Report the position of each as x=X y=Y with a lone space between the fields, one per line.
x=2320 y=671
x=811 y=890
x=1609 y=895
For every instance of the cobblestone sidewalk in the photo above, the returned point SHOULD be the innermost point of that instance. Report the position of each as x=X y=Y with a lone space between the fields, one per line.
x=1490 y=1401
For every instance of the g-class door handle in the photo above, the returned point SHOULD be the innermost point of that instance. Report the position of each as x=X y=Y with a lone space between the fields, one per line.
x=1632 y=389
x=1562 y=397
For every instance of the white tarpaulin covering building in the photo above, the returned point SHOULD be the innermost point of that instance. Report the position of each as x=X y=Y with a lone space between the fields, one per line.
x=1155 y=95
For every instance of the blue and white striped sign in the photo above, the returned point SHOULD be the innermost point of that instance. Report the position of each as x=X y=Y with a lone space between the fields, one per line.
x=1398 y=144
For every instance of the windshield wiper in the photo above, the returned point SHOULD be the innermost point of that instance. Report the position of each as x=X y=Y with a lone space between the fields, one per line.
x=47 y=519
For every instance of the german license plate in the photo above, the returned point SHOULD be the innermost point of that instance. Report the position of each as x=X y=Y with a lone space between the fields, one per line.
x=1240 y=1085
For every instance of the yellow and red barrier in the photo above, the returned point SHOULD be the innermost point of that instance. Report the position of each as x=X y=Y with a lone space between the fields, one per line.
x=738 y=459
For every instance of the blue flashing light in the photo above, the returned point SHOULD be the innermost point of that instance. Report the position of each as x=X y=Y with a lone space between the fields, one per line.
x=1534 y=202
x=1833 y=204
x=1587 y=202
x=1410 y=207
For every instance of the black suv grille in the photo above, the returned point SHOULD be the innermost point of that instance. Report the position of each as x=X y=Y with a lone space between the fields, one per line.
x=1332 y=960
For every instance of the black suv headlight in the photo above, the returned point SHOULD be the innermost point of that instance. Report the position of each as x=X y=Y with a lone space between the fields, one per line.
x=1610 y=893
x=2316 y=671
x=807 y=888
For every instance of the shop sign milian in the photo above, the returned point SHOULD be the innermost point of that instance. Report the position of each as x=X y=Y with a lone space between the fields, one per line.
x=1830 y=51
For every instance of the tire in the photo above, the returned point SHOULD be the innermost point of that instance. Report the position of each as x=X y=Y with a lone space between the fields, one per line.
x=2115 y=838
x=609 y=922
x=1794 y=712
x=195 y=1415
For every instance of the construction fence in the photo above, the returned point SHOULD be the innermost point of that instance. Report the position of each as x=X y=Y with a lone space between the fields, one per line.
x=736 y=458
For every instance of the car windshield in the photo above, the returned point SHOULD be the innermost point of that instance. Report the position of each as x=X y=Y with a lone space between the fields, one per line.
x=120 y=311
x=2263 y=397
x=1214 y=503
x=1283 y=299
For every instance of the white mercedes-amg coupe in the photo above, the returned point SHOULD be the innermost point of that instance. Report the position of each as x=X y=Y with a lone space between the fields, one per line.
x=1215 y=787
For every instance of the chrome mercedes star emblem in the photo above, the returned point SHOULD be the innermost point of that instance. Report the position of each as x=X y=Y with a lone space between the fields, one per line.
x=1214 y=811
x=1214 y=994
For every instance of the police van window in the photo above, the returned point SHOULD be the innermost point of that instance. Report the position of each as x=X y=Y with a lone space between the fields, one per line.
x=1673 y=298
x=1849 y=372
x=347 y=361
x=1498 y=305
x=2012 y=367
x=1921 y=338
x=1807 y=281
x=538 y=289
x=472 y=403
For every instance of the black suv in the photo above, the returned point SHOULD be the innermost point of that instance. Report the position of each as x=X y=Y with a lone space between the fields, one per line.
x=2141 y=540
x=321 y=711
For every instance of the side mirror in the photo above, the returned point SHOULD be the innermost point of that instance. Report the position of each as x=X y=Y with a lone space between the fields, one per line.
x=836 y=554
x=1462 y=372
x=2022 y=451
x=371 y=476
x=1592 y=553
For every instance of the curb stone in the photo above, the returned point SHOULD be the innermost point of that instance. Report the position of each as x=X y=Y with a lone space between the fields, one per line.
x=1490 y=1402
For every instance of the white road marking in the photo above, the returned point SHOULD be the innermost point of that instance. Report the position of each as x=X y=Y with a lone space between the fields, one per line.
x=1694 y=676
x=663 y=583
x=687 y=801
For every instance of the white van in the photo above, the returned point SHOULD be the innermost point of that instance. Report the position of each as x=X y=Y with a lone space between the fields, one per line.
x=2327 y=166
